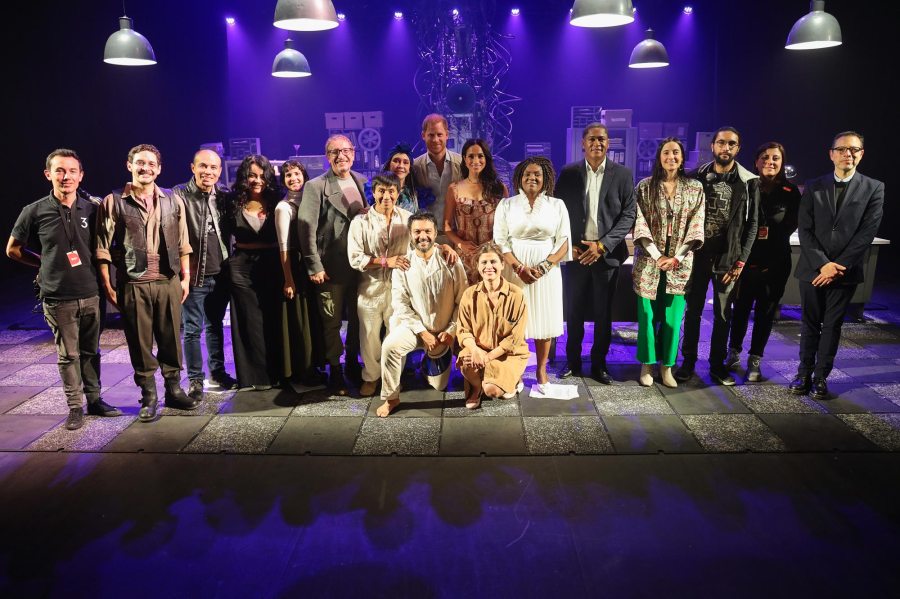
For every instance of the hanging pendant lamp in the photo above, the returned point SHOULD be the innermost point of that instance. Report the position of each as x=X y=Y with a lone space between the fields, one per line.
x=601 y=13
x=816 y=29
x=127 y=47
x=305 y=15
x=649 y=54
x=290 y=63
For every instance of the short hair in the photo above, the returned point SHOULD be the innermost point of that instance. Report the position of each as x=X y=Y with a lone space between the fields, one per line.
x=387 y=179
x=594 y=125
x=773 y=145
x=422 y=215
x=288 y=165
x=728 y=129
x=64 y=153
x=488 y=247
x=144 y=148
x=862 y=141
x=434 y=118
x=546 y=170
x=335 y=137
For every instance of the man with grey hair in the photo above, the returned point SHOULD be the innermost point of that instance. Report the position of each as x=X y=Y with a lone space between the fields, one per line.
x=330 y=201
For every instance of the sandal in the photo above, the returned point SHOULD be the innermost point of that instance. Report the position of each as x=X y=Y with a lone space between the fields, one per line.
x=473 y=404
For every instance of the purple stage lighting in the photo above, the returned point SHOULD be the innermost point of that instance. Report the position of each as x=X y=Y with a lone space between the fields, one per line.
x=455 y=12
x=229 y=20
x=398 y=15
x=514 y=12
x=688 y=9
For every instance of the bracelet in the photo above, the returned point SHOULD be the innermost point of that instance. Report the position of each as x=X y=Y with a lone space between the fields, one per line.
x=519 y=268
x=739 y=264
x=383 y=262
x=545 y=266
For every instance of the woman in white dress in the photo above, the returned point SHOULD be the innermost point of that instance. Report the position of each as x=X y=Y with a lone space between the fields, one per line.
x=532 y=229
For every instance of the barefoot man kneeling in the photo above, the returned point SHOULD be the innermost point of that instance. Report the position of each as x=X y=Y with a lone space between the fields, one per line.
x=425 y=299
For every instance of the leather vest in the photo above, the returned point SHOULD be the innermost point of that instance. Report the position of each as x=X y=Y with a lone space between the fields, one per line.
x=130 y=237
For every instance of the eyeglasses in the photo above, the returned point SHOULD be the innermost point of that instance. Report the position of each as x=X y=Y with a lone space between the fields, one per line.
x=844 y=149
x=344 y=151
x=731 y=144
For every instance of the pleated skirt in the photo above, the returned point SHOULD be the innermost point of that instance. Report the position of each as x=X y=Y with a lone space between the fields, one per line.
x=544 y=298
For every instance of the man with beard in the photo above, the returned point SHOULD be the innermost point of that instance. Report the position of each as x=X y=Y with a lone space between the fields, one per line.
x=438 y=167
x=732 y=206
x=839 y=216
x=425 y=300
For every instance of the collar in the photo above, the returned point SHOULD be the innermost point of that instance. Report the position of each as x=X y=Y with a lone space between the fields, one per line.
x=600 y=169
x=504 y=286
x=429 y=160
x=157 y=192
x=839 y=180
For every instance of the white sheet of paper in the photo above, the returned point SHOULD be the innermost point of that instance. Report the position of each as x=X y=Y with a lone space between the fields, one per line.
x=555 y=391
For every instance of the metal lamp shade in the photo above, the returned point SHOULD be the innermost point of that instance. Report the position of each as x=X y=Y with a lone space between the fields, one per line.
x=305 y=15
x=127 y=47
x=290 y=63
x=601 y=13
x=816 y=29
x=649 y=54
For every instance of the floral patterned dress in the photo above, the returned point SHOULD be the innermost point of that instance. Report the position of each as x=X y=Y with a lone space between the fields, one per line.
x=475 y=223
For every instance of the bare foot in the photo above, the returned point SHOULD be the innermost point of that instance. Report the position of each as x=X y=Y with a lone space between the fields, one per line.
x=473 y=397
x=387 y=407
x=541 y=374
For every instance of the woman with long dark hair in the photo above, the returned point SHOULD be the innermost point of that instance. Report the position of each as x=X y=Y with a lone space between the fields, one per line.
x=667 y=229
x=255 y=270
x=767 y=270
x=470 y=204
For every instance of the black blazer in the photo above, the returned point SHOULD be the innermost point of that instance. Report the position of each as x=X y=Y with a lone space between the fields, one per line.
x=842 y=237
x=616 y=208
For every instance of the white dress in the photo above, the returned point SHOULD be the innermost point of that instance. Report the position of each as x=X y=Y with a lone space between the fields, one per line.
x=532 y=234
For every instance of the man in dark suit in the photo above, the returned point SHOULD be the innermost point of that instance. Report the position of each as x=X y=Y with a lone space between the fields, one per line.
x=839 y=216
x=330 y=201
x=599 y=195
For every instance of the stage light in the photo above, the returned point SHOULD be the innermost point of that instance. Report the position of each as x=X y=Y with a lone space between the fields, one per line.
x=398 y=15
x=688 y=9
x=301 y=15
x=816 y=29
x=229 y=20
x=455 y=12
x=290 y=63
x=514 y=12
x=601 y=13
x=127 y=47
x=341 y=16
x=649 y=54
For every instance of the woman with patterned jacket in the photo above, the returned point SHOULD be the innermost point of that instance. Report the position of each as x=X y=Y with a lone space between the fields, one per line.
x=668 y=227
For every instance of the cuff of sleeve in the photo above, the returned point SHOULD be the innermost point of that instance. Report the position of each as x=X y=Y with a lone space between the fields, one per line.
x=417 y=327
x=653 y=251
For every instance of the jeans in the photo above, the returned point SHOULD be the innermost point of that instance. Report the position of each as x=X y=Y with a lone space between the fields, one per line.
x=204 y=310
x=76 y=330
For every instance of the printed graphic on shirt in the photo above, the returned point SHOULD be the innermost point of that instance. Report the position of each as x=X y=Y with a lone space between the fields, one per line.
x=718 y=205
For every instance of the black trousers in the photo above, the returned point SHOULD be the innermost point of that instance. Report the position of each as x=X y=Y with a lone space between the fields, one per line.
x=589 y=292
x=695 y=297
x=824 y=309
x=256 y=316
x=337 y=301
x=759 y=290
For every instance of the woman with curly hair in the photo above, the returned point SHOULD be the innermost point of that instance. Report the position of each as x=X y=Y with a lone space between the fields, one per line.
x=470 y=204
x=256 y=334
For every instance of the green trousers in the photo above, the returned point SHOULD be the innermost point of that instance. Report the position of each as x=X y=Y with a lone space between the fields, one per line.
x=659 y=326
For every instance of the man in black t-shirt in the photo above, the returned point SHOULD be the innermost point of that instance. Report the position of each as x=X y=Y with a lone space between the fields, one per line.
x=57 y=235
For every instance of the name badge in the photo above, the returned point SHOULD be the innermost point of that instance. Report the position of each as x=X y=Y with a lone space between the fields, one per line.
x=762 y=233
x=74 y=259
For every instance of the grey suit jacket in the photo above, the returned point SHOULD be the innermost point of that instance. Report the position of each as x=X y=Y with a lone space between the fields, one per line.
x=325 y=223
x=841 y=236
x=420 y=176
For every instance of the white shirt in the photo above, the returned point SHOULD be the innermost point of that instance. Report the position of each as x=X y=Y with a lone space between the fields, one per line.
x=594 y=180
x=351 y=191
x=370 y=236
x=285 y=217
x=426 y=297
x=515 y=218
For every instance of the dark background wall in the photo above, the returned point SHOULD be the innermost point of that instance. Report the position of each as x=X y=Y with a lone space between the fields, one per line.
x=213 y=82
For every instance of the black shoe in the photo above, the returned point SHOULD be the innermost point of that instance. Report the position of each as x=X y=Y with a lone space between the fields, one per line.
x=176 y=398
x=101 y=408
x=336 y=381
x=75 y=418
x=819 y=389
x=721 y=375
x=223 y=380
x=148 y=410
x=195 y=391
x=754 y=374
x=570 y=369
x=733 y=361
x=800 y=385
x=601 y=376
x=685 y=372
x=354 y=372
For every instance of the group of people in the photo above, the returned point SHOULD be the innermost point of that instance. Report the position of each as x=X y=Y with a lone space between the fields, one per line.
x=435 y=253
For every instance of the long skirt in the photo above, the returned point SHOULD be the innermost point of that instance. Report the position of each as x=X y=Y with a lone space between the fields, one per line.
x=301 y=332
x=544 y=297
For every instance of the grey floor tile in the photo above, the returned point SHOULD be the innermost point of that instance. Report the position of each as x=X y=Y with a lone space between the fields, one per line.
x=211 y=404
x=733 y=432
x=788 y=369
x=165 y=434
x=274 y=402
x=583 y=405
x=8 y=369
x=871 y=371
x=237 y=434
x=34 y=375
x=881 y=429
x=696 y=398
x=112 y=374
x=776 y=399
x=119 y=355
x=17 y=336
x=650 y=433
x=112 y=337
x=566 y=434
x=889 y=391
x=94 y=435
x=455 y=407
x=334 y=435
x=629 y=399
x=17 y=432
x=11 y=397
x=855 y=398
x=403 y=436
x=815 y=432
x=27 y=353
x=415 y=403
x=321 y=404
x=52 y=400
x=490 y=436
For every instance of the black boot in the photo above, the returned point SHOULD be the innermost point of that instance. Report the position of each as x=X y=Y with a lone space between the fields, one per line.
x=176 y=397
x=801 y=384
x=149 y=401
